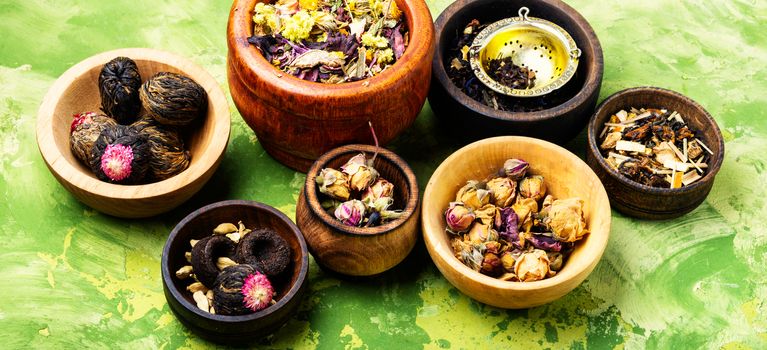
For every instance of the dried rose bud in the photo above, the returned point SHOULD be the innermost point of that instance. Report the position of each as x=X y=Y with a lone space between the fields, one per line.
x=515 y=169
x=556 y=259
x=532 y=266
x=493 y=247
x=379 y=189
x=480 y=233
x=472 y=196
x=361 y=175
x=525 y=208
x=334 y=184
x=566 y=219
x=491 y=265
x=532 y=187
x=458 y=218
x=487 y=214
x=472 y=257
x=257 y=292
x=507 y=260
x=502 y=191
x=351 y=212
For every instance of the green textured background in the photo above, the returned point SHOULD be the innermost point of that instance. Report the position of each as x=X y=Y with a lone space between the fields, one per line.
x=73 y=277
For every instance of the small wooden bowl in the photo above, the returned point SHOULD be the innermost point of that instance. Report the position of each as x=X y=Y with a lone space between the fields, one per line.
x=223 y=328
x=642 y=201
x=77 y=91
x=565 y=175
x=360 y=251
x=296 y=121
x=474 y=120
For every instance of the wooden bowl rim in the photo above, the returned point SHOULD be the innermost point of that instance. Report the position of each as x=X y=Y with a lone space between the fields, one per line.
x=384 y=154
x=168 y=275
x=615 y=175
x=598 y=242
x=53 y=156
x=590 y=85
x=240 y=27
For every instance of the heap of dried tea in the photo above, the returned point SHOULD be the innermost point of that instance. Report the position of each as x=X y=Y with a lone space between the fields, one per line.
x=508 y=227
x=503 y=70
x=171 y=100
x=330 y=41
x=654 y=147
x=230 y=270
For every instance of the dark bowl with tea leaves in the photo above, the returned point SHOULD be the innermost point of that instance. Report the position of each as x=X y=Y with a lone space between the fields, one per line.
x=473 y=111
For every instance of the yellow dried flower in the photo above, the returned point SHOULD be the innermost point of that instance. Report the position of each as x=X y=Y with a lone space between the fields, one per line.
x=379 y=7
x=533 y=266
x=309 y=5
x=566 y=219
x=265 y=19
x=385 y=56
x=371 y=40
x=298 y=26
x=502 y=190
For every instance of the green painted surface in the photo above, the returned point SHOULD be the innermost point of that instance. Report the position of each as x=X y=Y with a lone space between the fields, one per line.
x=73 y=277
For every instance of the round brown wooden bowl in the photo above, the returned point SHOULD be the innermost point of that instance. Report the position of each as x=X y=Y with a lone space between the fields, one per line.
x=566 y=176
x=296 y=121
x=360 y=251
x=77 y=91
x=474 y=120
x=243 y=328
x=642 y=201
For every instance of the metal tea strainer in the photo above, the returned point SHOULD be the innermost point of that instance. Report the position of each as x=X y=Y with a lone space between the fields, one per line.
x=533 y=43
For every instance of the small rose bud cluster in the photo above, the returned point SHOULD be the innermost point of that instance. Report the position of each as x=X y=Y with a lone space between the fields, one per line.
x=358 y=195
x=509 y=227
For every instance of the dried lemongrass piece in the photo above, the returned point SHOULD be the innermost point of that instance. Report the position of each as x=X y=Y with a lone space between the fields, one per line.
x=224 y=262
x=629 y=146
x=638 y=117
x=622 y=115
x=677 y=166
x=677 y=151
x=184 y=272
x=690 y=177
x=693 y=149
x=201 y=300
x=704 y=146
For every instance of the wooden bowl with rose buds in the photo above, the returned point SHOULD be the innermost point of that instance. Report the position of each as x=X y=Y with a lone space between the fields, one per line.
x=566 y=176
x=77 y=91
x=288 y=289
x=352 y=250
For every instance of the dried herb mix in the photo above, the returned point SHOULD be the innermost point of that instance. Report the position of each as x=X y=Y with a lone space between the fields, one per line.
x=654 y=147
x=172 y=100
x=508 y=227
x=330 y=41
x=503 y=70
x=231 y=269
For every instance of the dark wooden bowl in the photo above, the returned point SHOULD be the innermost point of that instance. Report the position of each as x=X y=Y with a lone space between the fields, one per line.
x=296 y=121
x=223 y=328
x=642 y=201
x=473 y=120
x=360 y=251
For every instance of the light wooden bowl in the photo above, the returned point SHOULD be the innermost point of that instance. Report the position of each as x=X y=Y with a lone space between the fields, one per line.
x=642 y=201
x=566 y=176
x=297 y=121
x=77 y=91
x=242 y=328
x=360 y=251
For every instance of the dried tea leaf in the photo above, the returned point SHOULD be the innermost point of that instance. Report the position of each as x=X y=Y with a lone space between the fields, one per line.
x=313 y=58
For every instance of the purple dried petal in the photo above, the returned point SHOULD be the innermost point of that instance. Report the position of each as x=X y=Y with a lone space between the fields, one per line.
x=399 y=43
x=264 y=43
x=545 y=242
x=508 y=230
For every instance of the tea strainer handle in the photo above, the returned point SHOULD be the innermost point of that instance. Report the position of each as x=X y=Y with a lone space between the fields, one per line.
x=523 y=11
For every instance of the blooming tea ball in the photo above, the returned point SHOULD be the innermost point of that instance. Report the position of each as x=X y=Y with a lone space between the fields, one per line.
x=168 y=156
x=85 y=129
x=119 y=83
x=174 y=99
x=120 y=155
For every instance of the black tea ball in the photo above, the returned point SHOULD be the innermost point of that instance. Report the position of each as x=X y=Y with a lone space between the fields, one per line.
x=119 y=84
x=84 y=130
x=174 y=99
x=166 y=147
x=120 y=155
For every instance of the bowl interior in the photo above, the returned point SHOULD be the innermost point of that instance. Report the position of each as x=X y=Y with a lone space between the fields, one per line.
x=77 y=91
x=452 y=22
x=254 y=215
x=696 y=117
x=565 y=176
x=389 y=166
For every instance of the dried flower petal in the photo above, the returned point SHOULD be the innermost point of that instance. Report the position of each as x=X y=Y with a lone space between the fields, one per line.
x=566 y=219
x=502 y=191
x=532 y=187
x=480 y=233
x=334 y=184
x=361 y=175
x=458 y=217
x=533 y=266
x=379 y=189
x=515 y=169
x=472 y=196
x=351 y=212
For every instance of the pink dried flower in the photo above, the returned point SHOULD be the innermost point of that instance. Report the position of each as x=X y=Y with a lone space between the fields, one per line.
x=81 y=118
x=257 y=292
x=116 y=161
x=351 y=212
